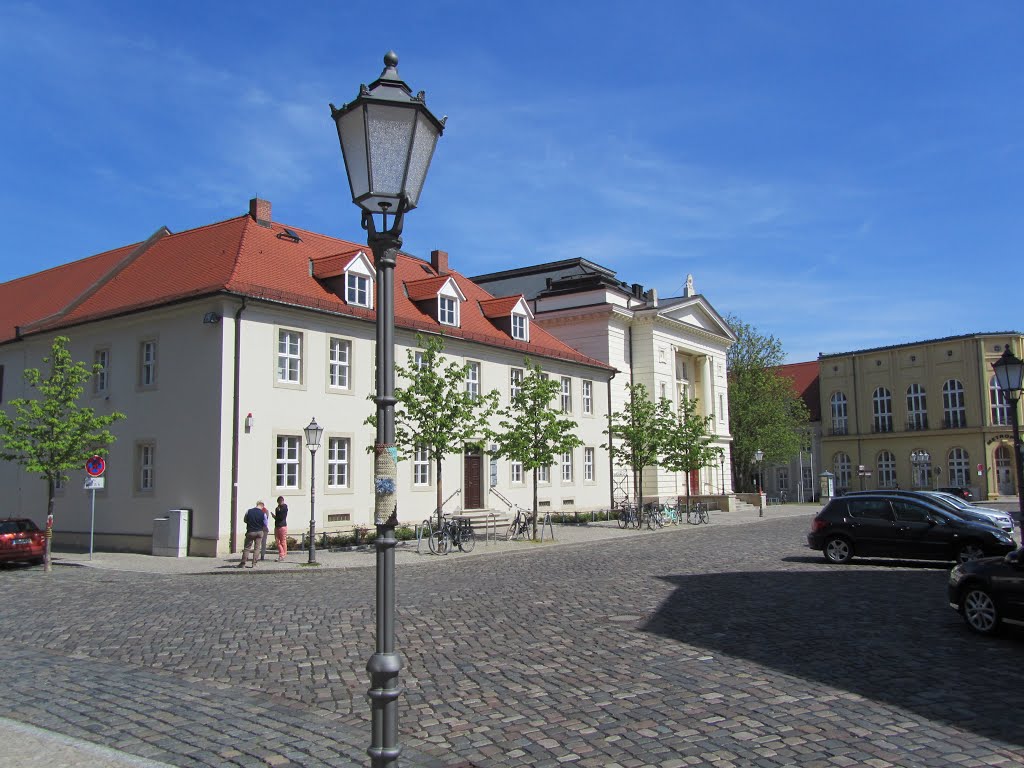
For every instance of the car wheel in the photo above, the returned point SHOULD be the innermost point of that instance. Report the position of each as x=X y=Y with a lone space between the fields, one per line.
x=838 y=550
x=970 y=550
x=979 y=611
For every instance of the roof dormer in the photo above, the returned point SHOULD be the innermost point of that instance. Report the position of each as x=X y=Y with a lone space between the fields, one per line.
x=511 y=314
x=439 y=297
x=359 y=276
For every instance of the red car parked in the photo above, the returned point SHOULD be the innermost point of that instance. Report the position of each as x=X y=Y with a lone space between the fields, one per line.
x=21 y=540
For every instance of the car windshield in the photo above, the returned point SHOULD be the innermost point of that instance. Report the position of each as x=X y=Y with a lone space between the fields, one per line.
x=955 y=500
x=17 y=526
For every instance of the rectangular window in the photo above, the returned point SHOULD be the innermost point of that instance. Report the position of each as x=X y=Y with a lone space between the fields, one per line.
x=519 y=327
x=543 y=474
x=101 y=378
x=588 y=464
x=516 y=468
x=147 y=363
x=515 y=382
x=337 y=462
x=566 y=394
x=357 y=290
x=782 y=477
x=473 y=380
x=287 y=461
x=447 y=311
x=147 y=466
x=417 y=359
x=588 y=398
x=721 y=408
x=289 y=357
x=421 y=466
x=338 y=373
x=567 y=467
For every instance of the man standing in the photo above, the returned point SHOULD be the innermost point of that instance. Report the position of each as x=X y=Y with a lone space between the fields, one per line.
x=254 y=520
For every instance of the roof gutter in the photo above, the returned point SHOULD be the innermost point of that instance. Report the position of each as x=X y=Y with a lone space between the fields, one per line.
x=233 y=538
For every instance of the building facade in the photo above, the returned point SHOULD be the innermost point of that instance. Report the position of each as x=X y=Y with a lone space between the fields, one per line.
x=221 y=343
x=675 y=347
x=798 y=479
x=921 y=415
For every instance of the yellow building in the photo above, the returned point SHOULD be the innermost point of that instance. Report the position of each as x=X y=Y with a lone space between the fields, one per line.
x=923 y=415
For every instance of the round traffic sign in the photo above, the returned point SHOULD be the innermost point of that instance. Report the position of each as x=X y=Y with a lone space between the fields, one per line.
x=95 y=466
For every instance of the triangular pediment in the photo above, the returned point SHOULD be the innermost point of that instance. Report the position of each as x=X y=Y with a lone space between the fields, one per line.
x=697 y=312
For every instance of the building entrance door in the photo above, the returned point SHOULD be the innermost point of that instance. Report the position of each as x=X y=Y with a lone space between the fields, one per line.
x=1004 y=471
x=472 y=481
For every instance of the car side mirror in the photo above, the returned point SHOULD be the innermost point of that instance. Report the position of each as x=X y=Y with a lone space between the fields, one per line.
x=1014 y=558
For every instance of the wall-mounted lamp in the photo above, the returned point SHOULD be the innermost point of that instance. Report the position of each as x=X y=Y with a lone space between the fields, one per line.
x=211 y=318
x=248 y=423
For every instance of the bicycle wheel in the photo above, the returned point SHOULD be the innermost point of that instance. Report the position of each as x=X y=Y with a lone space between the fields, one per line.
x=440 y=542
x=623 y=518
x=512 y=528
x=467 y=540
x=704 y=516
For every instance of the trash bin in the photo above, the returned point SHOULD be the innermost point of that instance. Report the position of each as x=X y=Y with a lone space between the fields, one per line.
x=170 y=534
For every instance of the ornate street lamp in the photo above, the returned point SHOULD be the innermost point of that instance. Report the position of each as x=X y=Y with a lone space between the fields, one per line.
x=759 y=457
x=387 y=138
x=1010 y=376
x=921 y=461
x=313 y=434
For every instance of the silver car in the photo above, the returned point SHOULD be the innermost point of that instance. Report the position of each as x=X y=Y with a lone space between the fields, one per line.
x=999 y=518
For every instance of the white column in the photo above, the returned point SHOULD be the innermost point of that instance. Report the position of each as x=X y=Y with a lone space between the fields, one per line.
x=707 y=387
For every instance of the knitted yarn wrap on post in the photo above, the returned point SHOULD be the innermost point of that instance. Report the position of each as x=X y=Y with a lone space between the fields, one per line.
x=385 y=481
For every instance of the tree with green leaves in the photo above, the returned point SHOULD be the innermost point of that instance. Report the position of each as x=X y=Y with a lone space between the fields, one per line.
x=52 y=433
x=533 y=432
x=635 y=433
x=765 y=413
x=435 y=411
x=686 y=442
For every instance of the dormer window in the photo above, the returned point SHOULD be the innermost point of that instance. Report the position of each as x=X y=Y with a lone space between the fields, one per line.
x=520 y=328
x=447 y=310
x=357 y=289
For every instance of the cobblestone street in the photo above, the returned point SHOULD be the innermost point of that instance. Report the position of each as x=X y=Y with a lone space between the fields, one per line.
x=717 y=645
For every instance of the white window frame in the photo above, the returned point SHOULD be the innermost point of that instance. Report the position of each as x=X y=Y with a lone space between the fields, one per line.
x=959 y=462
x=515 y=469
x=839 y=406
x=567 y=468
x=101 y=379
x=289 y=356
x=339 y=365
x=421 y=467
x=145 y=456
x=287 y=462
x=543 y=474
x=448 y=310
x=881 y=409
x=520 y=327
x=917 y=407
x=358 y=290
x=339 y=462
x=147 y=363
x=999 y=402
x=588 y=397
x=515 y=382
x=565 y=395
x=473 y=379
x=588 y=465
x=886 y=466
x=842 y=467
x=954 y=406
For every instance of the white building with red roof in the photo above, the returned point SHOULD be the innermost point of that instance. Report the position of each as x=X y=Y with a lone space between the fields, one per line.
x=221 y=342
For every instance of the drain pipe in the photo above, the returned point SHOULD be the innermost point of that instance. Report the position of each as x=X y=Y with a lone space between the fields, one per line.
x=233 y=537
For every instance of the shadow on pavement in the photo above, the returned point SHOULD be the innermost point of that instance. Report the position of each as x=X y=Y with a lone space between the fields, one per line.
x=886 y=634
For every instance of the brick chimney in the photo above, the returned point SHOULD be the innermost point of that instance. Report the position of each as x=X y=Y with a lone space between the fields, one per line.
x=439 y=261
x=259 y=210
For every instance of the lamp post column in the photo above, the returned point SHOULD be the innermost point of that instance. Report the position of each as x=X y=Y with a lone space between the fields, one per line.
x=312 y=504
x=1019 y=459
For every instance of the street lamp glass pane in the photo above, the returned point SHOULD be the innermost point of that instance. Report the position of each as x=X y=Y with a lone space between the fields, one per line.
x=352 y=133
x=1009 y=372
x=390 y=133
x=422 y=151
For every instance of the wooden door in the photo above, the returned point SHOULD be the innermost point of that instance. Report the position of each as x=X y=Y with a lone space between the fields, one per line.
x=472 y=482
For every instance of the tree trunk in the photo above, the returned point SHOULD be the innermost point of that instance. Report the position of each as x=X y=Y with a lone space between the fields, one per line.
x=47 y=563
x=535 y=507
x=440 y=491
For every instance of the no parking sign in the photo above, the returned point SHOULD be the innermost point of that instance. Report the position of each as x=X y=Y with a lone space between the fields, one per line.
x=95 y=466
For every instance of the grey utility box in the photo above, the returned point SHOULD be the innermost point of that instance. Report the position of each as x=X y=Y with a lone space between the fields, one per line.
x=170 y=534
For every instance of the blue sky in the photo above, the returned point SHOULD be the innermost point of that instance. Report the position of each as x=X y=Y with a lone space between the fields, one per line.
x=841 y=175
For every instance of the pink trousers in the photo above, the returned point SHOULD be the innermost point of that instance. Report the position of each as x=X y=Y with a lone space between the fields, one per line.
x=281 y=535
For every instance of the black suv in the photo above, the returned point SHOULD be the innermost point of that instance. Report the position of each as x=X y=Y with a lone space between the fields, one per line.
x=892 y=525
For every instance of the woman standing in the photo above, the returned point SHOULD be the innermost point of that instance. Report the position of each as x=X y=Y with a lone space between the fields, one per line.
x=281 y=528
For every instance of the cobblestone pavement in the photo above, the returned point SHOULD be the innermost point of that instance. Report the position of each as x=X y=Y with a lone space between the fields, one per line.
x=719 y=646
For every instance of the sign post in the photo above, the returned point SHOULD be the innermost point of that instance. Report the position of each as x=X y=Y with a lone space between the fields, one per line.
x=94 y=467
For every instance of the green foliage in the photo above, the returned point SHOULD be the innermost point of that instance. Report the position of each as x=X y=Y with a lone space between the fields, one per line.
x=686 y=441
x=765 y=413
x=51 y=434
x=532 y=431
x=434 y=410
x=635 y=434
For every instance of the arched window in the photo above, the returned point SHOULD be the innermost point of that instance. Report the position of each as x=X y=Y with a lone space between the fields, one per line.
x=841 y=469
x=886 y=470
x=1000 y=404
x=954 y=412
x=840 y=425
x=917 y=408
x=959 y=467
x=881 y=401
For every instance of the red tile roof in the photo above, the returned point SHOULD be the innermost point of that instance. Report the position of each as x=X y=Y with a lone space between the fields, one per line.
x=494 y=308
x=240 y=257
x=806 y=384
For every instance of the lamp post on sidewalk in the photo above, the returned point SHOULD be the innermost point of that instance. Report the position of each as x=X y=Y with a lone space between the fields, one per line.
x=921 y=461
x=313 y=432
x=387 y=139
x=759 y=457
x=1010 y=376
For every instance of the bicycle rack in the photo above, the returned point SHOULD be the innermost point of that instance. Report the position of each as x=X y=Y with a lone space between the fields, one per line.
x=547 y=524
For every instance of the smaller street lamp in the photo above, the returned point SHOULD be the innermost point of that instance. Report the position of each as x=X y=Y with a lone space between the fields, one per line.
x=313 y=433
x=920 y=460
x=759 y=457
x=721 y=463
x=1010 y=376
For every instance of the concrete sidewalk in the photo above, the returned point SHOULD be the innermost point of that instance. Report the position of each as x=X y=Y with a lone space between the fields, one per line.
x=26 y=746
x=406 y=553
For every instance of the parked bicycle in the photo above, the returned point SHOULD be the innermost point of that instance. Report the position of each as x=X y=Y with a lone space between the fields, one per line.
x=628 y=516
x=697 y=513
x=454 y=532
x=521 y=526
x=653 y=515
